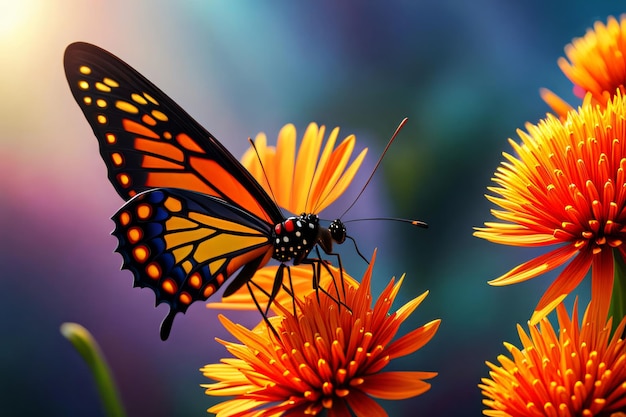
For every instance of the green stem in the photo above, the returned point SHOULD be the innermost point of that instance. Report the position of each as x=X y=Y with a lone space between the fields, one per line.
x=618 y=299
x=88 y=348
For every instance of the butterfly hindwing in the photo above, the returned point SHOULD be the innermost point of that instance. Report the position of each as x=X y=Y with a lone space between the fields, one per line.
x=148 y=141
x=184 y=245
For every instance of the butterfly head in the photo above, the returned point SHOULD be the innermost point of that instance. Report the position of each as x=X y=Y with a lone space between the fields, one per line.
x=337 y=231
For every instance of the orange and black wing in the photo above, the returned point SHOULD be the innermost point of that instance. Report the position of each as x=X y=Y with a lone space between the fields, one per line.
x=148 y=141
x=184 y=245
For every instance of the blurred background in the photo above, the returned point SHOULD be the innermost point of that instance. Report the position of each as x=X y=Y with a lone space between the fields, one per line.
x=466 y=74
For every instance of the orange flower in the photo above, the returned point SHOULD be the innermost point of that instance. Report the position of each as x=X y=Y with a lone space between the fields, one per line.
x=566 y=187
x=325 y=358
x=308 y=182
x=301 y=282
x=595 y=63
x=579 y=372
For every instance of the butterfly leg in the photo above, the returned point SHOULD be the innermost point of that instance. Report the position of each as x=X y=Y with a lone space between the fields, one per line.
x=317 y=264
x=261 y=310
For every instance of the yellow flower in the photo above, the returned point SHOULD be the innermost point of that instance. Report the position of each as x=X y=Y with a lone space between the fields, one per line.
x=595 y=63
x=578 y=372
x=566 y=187
x=310 y=181
x=325 y=358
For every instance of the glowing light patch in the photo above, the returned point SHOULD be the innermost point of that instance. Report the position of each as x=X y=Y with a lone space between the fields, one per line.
x=84 y=69
x=102 y=87
x=148 y=120
x=144 y=211
x=185 y=298
x=195 y=280
x=169 y=286
x=110 y=137
x=83 y=85
x=159 y=116
x=87 y=100
x=124 y=218
x=150 y=99
x=117 y=159
x=123 y=179
x=111 y=82
x=126 y=107
x=138 y=99
x=134 y=234
x=102 y=119
x=101 y=103
x=140 y=253
x=153 y=270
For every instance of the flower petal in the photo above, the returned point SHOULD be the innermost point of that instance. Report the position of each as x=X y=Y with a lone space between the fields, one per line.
x=536 y=266
x=567 y=280
x=364 y=406
x=397 y=385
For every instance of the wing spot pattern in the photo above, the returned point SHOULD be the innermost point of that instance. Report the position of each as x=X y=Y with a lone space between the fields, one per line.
x=209 y=290
x=87 y=100
x=134 y=234
x=138 y=99
x=117 y=159
x=102 y=87
x=160 y=116
x=84 y=69
x=185 y=298
x=140 y=253
x=102 y=103
x=124 y=180
x=153 y=270
x=83 y=85
x=147 y=119
x=110 y=138
x=144 y=211
x=124 y=218
x=169 y=286
x=150 y=98
x=195 y=280
x=111 y=82
x=126 y=107
x=102 y=119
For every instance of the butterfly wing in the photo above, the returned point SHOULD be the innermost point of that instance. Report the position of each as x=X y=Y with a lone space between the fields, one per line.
x=184 y=245
x=148 y=141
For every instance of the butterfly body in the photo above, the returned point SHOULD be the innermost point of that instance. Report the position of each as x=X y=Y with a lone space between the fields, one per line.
x=193 y=214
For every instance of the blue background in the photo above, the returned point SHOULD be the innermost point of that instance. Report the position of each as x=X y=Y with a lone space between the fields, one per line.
x=466 y=74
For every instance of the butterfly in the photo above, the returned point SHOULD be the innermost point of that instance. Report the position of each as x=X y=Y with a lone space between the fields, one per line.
x=193 y=215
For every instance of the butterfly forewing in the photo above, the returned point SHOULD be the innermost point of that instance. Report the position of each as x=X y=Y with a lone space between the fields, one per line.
x=184 y=245
x=148 y=141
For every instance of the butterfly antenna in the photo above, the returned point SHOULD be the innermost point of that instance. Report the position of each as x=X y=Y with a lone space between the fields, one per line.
x=380 y=159
x=258 y=157
x=417 y=223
